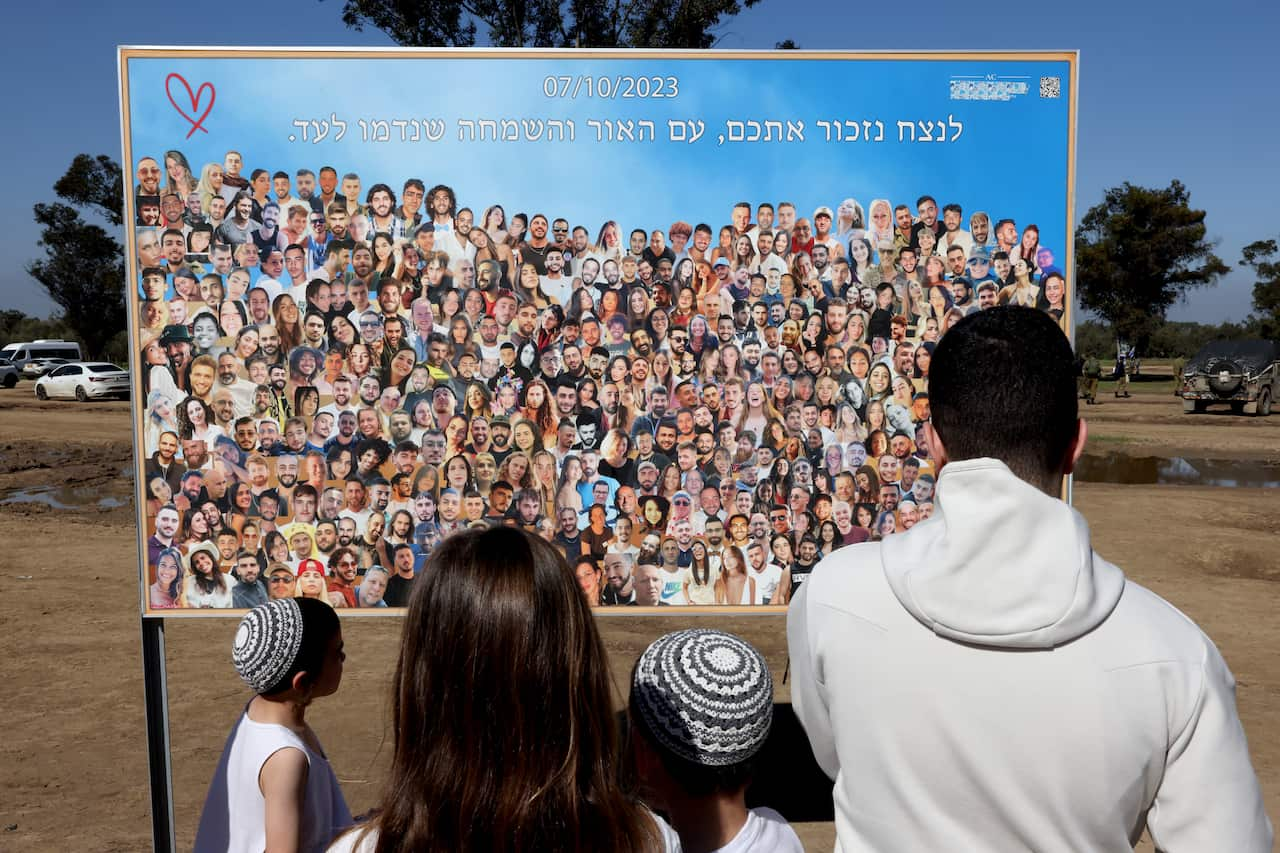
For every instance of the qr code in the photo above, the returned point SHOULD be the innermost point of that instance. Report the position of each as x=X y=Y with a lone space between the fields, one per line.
x=1050 y=87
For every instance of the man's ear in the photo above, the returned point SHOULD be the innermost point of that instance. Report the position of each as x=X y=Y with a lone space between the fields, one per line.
x=936 y=448
x=1076 y=448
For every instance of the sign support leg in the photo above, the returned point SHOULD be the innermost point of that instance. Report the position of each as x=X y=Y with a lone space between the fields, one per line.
x=156 y=687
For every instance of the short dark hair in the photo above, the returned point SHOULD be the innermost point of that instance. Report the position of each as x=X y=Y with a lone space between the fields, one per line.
x=1002 y=384
x=380 y=188
x=696 y=780
x=319 y=625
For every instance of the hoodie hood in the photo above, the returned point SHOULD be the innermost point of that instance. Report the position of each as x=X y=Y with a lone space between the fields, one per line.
x=1000 y=563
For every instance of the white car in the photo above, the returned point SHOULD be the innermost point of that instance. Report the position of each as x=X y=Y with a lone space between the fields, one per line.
x=86 y=381
x=38 y=367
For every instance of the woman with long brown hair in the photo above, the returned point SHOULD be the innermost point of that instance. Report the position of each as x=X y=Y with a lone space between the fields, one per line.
x=735 y=585
x=567 y=488
x=537 y=408
x=544 y=480
x=497 y=632
x=590 y=577
x=517 y=470
x=529 y=288
x=866 y=485
x=288 y=321
x=757 y=410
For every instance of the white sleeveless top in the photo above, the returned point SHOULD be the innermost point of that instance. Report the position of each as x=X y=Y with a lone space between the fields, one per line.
x=234 y=816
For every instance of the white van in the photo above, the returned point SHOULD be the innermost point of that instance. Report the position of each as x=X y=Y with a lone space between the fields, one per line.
x=22 y=354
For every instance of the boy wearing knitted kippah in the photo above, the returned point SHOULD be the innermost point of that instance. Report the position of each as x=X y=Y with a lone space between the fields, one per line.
x=274 y=788
x=701 y=707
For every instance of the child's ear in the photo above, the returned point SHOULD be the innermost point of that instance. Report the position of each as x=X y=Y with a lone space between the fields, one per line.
x=302 y=682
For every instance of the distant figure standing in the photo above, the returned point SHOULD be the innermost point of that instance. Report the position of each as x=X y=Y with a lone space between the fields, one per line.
x=1179 y=365
x=1092 y=374
x=1122 y=376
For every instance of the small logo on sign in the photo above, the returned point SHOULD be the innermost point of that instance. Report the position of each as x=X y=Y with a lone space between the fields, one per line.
x=987 y=87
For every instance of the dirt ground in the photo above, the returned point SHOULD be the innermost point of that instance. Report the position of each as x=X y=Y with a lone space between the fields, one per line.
x=74 y=758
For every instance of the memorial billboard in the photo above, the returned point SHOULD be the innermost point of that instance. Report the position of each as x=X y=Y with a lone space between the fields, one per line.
x=673 y=310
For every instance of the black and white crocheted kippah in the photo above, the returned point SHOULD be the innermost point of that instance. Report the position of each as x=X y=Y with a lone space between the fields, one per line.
x=267 y=643
x=707 y=696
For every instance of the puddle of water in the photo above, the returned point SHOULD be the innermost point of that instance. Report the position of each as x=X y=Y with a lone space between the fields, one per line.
x=1181 y=471
x=64 y=497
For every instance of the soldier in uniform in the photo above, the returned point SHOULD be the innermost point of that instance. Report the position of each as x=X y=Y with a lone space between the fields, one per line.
x=1092 y=373
x=1122 y=376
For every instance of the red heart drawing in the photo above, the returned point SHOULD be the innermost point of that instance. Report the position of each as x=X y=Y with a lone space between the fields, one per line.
x=195 y=97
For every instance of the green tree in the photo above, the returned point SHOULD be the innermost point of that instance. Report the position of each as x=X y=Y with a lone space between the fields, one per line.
x=1094 y=338
x=1138 y=253
x=83 y=265
x=1263 y=259
x=546 y=23
x=18 y=326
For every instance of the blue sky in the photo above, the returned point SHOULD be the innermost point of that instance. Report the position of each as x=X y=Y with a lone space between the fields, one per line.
x=1163 y=94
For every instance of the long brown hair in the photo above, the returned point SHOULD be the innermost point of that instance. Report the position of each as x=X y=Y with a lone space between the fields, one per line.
x=505 y=738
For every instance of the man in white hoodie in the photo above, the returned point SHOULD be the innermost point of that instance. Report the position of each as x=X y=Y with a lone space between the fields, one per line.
x=986 y=681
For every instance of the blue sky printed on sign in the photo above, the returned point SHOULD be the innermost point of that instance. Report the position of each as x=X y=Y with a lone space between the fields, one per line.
x=1010 y=159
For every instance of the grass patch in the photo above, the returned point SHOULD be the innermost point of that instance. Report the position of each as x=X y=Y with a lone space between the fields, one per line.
x=1111 y=439
x=1147 y=387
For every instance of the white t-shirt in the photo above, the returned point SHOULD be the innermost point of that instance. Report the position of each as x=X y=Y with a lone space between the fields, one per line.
x=274 y=288
x=208 y=435
x=616 y=547
x=447 y=241
x=673 y=586
x=560 y=289
x=767 y=580
x=765 y=831
x=335 y=410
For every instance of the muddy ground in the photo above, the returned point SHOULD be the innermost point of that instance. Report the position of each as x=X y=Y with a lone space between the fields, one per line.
x=74 y=761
